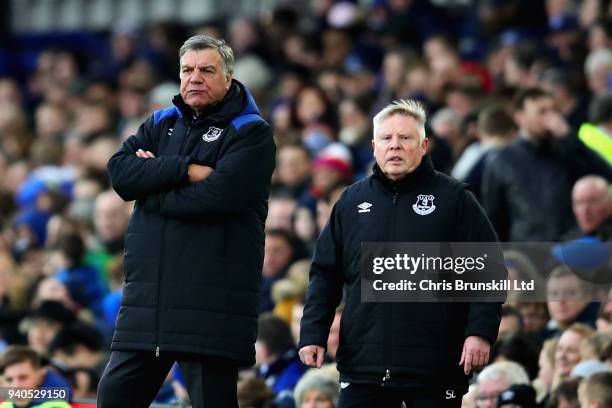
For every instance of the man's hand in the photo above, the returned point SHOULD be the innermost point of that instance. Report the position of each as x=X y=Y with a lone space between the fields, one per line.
x=198 y=172
x=144 y=155
x=312 y=356
x=556 y=124
x=475 y=353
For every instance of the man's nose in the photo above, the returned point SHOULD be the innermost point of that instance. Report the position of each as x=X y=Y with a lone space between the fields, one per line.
x=196 y=77
x=394 y=143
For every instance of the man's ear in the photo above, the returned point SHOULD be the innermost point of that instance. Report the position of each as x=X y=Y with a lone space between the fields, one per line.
x=228 y=81
x=40 y=374
x=425 y=144
x=518 y=118
x=373 y=144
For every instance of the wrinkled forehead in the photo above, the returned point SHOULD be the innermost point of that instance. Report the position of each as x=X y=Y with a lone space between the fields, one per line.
x=204 y=56
x=398 y=123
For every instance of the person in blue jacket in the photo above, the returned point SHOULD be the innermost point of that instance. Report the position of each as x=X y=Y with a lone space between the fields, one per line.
x=38 y=386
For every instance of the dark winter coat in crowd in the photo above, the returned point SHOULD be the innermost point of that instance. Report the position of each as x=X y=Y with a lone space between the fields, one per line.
x=527 y=187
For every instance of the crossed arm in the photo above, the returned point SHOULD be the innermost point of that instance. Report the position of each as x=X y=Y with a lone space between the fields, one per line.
x=176 y=187
x=195 y=172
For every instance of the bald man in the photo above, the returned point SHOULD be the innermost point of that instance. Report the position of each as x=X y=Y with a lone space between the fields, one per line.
x=592 y=205
x=111 y=217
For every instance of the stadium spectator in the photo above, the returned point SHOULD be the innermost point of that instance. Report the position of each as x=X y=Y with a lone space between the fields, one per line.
x=281 y=209
x=592 y=205
x=315 y=390
x=597 y=69
x=596 y=391
x=495 y=379
x=567 y=352
x=565 y=395
x=568 y=301
x=42 y=324
x=518 y=395
x=277 y=358
x=596 y=133
x=521 y=349
x=495 y=130
x=79 y=346
x=566 y=93
x=546 y=373
x=511 y=322
x=279 y=252
x=293 y=170
x=551 y=159
x=534 y=316
x=21 y=368
x=600 y=32
x=111 y=217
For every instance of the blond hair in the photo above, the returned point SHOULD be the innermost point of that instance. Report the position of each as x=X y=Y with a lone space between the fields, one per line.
x=404 y=107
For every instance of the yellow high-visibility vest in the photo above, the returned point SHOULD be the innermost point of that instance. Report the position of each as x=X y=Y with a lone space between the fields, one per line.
x=46 y=404
x=597 y=140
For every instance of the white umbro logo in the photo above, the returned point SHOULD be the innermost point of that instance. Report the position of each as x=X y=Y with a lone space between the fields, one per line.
x=364 y=207
x=343 y=385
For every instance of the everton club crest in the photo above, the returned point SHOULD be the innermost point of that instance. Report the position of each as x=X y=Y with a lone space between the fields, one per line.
x=424 y=204
x=212 y=134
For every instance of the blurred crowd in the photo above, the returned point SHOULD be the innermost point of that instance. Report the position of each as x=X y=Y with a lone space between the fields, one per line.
x=482 y=68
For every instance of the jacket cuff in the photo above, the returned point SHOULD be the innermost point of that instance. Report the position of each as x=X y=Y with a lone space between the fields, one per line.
x=488 y=337
x=312 y=341
x=187 y=160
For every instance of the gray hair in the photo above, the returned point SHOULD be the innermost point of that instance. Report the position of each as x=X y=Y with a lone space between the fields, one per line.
x=446 y=115
x=597 y=59
x=314 y=380
x=404 y=107
x=513 y=372
x=203 y=42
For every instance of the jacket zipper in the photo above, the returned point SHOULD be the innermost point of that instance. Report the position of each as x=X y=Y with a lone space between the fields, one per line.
x=389 y=315
x=159 y=283
x=161 y=265
x=386 y=377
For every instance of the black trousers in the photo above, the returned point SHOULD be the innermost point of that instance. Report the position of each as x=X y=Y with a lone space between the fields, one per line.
x=373 y=395
x=133 y=378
